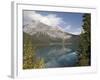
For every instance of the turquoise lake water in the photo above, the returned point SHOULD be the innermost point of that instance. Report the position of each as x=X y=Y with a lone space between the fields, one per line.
x=57 y=56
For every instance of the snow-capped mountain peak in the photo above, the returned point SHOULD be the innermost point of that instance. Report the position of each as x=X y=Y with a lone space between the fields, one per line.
x=38 y=28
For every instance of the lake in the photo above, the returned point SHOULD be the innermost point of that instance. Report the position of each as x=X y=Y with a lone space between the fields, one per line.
x=57 y=56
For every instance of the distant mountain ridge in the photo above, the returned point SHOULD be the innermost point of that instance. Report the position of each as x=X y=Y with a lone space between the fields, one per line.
x=39 y=28
x=42 y=33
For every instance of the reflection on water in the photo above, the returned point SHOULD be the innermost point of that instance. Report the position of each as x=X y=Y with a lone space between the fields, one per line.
x=56 y=56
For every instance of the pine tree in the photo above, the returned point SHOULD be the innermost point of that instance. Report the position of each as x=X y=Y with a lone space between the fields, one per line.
x=27 y=52
x=84 y=50
x=29 y=56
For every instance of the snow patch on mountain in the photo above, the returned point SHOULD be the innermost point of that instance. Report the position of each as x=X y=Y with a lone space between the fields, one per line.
x=37 y=28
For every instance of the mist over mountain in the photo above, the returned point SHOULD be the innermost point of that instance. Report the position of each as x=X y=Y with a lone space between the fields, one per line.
x=44 y=34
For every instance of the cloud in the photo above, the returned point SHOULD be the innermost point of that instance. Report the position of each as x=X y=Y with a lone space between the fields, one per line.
x=76 y=31
x=29 y=16
x=68 y=27
x=50 y=19
x=73 y=30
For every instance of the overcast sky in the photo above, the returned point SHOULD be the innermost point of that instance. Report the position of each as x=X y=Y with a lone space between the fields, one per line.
x=69 y=22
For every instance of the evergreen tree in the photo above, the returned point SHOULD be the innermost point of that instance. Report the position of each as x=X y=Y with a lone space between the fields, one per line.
x=29 y=57
x=84 y=50
x=27 y=52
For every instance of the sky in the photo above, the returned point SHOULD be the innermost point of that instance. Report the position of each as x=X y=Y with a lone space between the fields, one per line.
x=69 y=22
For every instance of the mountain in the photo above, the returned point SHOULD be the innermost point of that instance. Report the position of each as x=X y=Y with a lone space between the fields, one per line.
x=42 y=33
